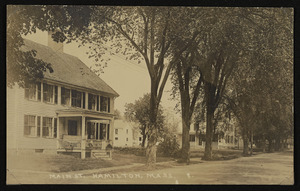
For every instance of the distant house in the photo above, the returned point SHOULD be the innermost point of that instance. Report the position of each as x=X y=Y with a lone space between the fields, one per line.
x=68 y=111
x=220 y=140
x=126 y=135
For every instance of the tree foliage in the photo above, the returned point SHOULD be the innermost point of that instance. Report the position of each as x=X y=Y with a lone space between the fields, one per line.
x=139 y=112
x=70 y=21
x=262 y=95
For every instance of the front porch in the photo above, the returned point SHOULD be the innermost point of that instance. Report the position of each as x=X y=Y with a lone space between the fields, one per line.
x=85 y=132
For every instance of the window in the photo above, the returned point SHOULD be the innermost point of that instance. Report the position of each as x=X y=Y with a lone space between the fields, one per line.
x=49 y=93
x=72 y=127
x=116 y=138
x=33 y=91
x=65 y=96
x=126 y=139
x=126 y=131
x=104 y=104
x=192 y=138
x=90 y=130
x=140 y=138
x=29 y=125
x=76 y=98
x=47 y=127
x=102 y=131
x=116 y=131
x=91 y=101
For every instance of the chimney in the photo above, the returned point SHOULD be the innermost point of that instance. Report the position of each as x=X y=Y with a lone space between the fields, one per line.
x=56 y=46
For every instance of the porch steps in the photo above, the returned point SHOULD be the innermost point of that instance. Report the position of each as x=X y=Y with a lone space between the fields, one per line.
x=100 y=154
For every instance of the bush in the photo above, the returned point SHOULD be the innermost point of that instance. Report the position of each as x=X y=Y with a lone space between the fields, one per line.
x=169 y=147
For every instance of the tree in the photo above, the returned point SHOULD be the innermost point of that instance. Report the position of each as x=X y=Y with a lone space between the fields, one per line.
x=263 y=84
x=117 y=114
x=25 y=19
x=219 y=55
x=139 y=112
x=187 y=79
x=148 y=33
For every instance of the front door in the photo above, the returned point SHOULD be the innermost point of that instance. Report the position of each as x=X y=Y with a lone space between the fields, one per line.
x=72 y=127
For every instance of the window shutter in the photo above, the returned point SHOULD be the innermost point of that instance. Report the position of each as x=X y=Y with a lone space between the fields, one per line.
x=108 y=131
x=97 y=103
x=56 y=94
x=55 y=127
x=83 y=100
x=38 y=126
x=26 y=129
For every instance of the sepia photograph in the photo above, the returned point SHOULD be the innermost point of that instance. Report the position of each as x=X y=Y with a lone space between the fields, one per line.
x=164 y=95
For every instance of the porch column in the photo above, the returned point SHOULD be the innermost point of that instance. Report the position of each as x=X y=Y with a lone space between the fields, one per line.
x=83 y=138
x=111 y=131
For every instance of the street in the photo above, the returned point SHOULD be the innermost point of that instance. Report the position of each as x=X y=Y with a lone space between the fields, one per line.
x=268 y=168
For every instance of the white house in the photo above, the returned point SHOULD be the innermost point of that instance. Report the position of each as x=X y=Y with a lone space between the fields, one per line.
x=197 y=138
x=126 y=134
x=69 y=110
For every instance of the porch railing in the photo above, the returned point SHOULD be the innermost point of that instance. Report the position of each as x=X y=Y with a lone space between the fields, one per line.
x=75 y=144
x=97 y=144
x=69 y=145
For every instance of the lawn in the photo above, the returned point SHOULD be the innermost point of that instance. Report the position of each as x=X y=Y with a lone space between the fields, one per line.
x=67 y=163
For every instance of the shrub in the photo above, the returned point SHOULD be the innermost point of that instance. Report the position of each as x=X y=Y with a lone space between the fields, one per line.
x=169 y=147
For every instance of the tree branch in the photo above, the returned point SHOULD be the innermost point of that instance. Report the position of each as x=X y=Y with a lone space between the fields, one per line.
x=196 y=94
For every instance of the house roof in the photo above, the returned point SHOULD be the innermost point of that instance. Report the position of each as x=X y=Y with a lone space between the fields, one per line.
x=68 y=69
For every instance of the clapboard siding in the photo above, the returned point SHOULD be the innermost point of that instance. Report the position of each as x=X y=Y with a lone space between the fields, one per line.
x=18 y=106
x=11 y=117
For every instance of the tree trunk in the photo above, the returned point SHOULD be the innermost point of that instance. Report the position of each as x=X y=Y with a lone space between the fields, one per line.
x=152 y=133
x=185 y=140
x=209 y=135
x=144 y=140
x=144 y=136
x=277 y=144
x=151 y=150
x=246 y=143
x=263 y=143
x=271 y=146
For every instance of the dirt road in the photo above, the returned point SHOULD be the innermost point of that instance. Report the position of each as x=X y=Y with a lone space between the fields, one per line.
x=269 y=168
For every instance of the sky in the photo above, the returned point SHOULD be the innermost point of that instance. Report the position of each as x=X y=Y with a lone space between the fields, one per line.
x=128 y=78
